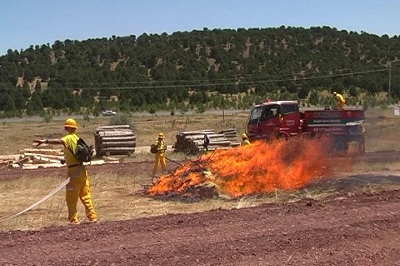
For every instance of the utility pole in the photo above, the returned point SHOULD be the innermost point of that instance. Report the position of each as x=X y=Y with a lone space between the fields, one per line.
x=390 y=80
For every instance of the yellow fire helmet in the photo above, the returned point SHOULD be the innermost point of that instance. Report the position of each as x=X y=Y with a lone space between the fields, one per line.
x=160 y=135
x=71 y=123
x=244 y=136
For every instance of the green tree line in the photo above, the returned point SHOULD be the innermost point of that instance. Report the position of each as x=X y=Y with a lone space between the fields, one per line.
x=219 y=68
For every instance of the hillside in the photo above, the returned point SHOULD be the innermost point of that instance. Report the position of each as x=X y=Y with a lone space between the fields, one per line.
x=199 y=70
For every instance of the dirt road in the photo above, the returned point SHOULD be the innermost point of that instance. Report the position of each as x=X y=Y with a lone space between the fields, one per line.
x=349 y=228
x=346 y=230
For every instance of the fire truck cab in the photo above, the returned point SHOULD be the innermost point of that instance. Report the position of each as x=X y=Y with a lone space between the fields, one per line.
x=274 y=119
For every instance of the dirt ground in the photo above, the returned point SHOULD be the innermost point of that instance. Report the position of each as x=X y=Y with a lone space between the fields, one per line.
x=352 y=227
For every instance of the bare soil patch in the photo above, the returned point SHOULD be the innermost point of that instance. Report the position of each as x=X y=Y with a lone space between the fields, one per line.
x=353 y=230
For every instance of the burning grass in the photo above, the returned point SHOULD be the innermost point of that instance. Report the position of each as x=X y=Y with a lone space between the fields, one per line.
x=250 y=170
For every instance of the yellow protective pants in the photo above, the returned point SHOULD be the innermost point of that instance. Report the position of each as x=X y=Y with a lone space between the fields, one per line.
x=159 y=159
x=79 y=188
x=341 y=106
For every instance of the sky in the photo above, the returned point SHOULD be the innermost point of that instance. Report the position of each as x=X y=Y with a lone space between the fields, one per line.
x=36 y=22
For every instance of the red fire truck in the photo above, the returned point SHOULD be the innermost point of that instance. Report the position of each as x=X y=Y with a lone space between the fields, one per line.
x=276 y=119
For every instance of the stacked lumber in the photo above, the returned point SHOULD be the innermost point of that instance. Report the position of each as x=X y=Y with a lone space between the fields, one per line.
x=192 y=142
x=33 y=158
x=114 y=140
x=44 y=158
x=230 y=134
x=6 y=161
x=188 y=141
x=45 y=151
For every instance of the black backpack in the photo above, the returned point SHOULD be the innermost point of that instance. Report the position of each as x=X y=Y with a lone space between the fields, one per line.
x=84 y=152
x=153 y=148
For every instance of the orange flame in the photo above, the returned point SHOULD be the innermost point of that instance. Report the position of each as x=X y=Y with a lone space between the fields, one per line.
x=255 y=169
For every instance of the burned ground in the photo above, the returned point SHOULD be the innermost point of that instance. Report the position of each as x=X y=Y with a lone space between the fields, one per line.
x=350 y=227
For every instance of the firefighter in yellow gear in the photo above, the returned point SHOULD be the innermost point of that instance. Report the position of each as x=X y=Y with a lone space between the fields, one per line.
x=79 y=185
x=160 y=154
x=245 y=140
x=340 y=100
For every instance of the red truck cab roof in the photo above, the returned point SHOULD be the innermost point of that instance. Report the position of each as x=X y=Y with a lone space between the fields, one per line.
x=277 y=102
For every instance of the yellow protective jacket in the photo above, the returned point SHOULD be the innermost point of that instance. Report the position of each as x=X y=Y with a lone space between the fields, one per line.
x=70 y=143
x=161 y=147
x=340 y=98
x=160 y=157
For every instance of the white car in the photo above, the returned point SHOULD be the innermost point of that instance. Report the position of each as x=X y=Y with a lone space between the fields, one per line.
x=109 y=113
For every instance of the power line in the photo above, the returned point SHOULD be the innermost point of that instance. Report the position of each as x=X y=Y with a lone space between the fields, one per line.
x=222 y=82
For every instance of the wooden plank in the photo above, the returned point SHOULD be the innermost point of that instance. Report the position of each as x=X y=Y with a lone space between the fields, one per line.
x=197 y=132
x=43 y=151
x=48 y=156
x=210 y=136
x=45 y=159
x=118 y=138
x=118 y=144
x=115 y=133
x=220 y=143
x=226 y=130
x=45 y=165
x=112 y=127
x=22 y=161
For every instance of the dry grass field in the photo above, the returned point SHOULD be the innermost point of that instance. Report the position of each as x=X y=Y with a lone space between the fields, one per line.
x=118 y=194
x=19 y=135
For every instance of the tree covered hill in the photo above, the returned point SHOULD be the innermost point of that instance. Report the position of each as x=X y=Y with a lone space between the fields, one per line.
x=198 y=69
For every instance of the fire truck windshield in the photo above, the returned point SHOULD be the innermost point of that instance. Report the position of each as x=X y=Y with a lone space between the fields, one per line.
x=269 y=112
x=255 y=114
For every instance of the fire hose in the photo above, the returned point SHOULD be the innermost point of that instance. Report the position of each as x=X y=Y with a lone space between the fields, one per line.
x=60 y=186
x=168 y=159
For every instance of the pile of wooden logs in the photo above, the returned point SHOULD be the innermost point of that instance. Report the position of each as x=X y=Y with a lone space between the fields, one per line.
x=230 y=134
x=46 y=156
x=192 y=142
x=34 y=158
x=12 y=161
x=114 y=140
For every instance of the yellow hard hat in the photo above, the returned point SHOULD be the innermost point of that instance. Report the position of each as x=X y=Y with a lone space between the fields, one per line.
x=244 y=135
x=160 y=134
x=71 y=123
